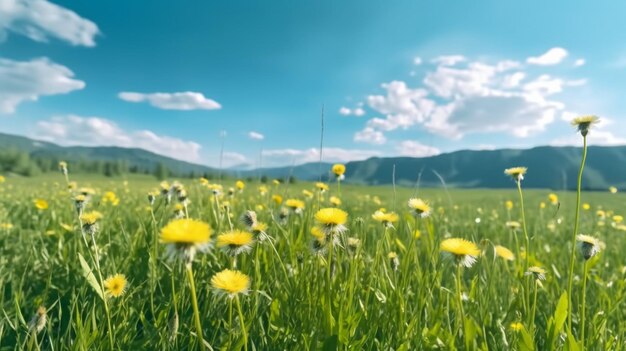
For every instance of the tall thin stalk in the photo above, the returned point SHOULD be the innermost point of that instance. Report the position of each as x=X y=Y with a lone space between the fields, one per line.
x=243 y=324
x=527 y=239
x=194 y=302
x=573 y=252
x=582 y=319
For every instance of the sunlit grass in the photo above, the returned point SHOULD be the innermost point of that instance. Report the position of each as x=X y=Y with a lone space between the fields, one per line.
x=376 y=284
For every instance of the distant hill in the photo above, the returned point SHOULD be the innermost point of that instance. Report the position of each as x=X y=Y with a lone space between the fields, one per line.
x=548 y=167
x=142 y=160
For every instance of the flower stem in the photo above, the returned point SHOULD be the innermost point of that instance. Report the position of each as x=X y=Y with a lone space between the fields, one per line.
x=532 y=315
x=96 y=258
x=461 y=316
x=194 y=302
x=573 y=253
x=582 y=311
x=329 y=290
x=527 y=239
x=243 y=324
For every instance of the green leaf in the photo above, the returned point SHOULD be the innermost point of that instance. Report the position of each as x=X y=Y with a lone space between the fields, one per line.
x=561 y=312
x=88 y=274
x=572 y=344
x=526 y=343
x=556 y=322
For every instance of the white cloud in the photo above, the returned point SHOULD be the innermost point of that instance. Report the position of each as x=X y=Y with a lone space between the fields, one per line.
x=471 y=97
x=553 y=56
x=403 y=106
x=184 y=101
x=96 y=131
x=28 y=80
x=256 y=135
x=448 y=60
x=595 y=137
x=370 y=135
x=513 y=80
x=40 y=19
x=300 y=156
x=579 y=62
x=415 y=149
x=484 y=147
x=358 y=111
x=417 y=61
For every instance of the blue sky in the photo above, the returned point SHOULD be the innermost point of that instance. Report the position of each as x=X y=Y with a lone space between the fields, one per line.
x=412 y=78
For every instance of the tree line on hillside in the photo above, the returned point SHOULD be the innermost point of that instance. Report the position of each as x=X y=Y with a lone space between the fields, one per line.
x=25 y=164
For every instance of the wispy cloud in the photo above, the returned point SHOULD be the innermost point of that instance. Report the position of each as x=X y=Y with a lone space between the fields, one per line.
x=40 y=20
x=553 y=56
x=460 y=96
x=256 y=135
x=97 y=131
x=184 y=101
x=416 y=149
x=357 y=111
x=299 y=156
x=28 y=80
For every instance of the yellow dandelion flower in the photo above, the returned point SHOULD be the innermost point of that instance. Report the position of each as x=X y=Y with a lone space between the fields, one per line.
x=86 y=191
x=618 y=219
x=517 y=173
x=386 y=219
x=612 y=190
x=321 y=186
x=464 y=251
x=2 y=179
x=516 y=326
x=41 y=204
x=419 y=207
x=504 y=253
x=186 y=231
x=417 y=234
x=307 y=194
x=277 y=199
x=553 y=198
x=230 y=282
x=542 y=205
x=259 y=230
x=332 y=220
x=90 y=218
x=586 y=206
x=335 y=201
x=235 y=242
x=115 y=285
x=240 y=185
x=295 y=205
x=508 y=204
x=317 y=233
x=276 y=182
x=584 y=123
x=339 y=169
x=331 y=216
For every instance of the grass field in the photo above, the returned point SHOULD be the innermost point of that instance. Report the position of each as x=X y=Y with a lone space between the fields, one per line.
x=386 y=287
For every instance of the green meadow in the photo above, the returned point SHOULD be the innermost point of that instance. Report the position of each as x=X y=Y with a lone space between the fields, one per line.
x=372 y=286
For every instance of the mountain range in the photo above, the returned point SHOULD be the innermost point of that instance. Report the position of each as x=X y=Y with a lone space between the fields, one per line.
x=548 y=166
